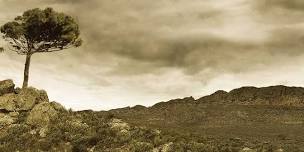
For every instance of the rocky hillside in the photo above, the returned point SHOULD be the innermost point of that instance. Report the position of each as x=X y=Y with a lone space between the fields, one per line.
x=30 y=122
x=274 y=95
x=269 y=115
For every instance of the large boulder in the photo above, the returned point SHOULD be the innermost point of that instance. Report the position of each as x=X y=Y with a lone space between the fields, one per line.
x=8 y=102
x=29 y=97
x=6 y=86
x=41 y=114
x=25 y=100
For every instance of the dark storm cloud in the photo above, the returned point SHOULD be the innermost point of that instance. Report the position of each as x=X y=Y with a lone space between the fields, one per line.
x=292 y=5
x=280 y=11
x=149 y=35
x=287 y=40
x=145 y=36
x=191 y=54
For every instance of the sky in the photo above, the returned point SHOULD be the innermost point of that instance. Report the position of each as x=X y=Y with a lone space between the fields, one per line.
x=143 y=51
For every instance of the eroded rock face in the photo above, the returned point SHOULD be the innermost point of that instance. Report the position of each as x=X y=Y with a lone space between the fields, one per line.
x=41 y=114
x=6 y=86
x=29 y=97
x=8 y=102
x=24 y=101
x=30 y=100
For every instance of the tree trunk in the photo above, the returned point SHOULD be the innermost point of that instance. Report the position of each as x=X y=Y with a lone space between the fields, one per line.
x=26 y=71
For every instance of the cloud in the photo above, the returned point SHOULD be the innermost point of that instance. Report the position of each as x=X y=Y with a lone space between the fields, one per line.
x=280 y=11
x=140 y=36
x=286 y=40
x=291 y=5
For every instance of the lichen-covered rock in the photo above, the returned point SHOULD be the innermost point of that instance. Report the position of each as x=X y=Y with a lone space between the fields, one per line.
x=41 y=114
x=6 y=120
x=8 y=102
x=29 y=97
x=57 y=106
x=24 y=101
x=6 y=86
x=14 y=114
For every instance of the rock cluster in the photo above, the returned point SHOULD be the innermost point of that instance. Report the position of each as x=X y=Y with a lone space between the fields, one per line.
x=33 y=102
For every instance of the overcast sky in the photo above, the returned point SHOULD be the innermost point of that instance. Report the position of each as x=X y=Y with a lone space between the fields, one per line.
x=145 y=51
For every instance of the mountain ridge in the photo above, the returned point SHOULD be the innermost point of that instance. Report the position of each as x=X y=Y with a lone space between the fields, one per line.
x=273 y=114
x=246 y=95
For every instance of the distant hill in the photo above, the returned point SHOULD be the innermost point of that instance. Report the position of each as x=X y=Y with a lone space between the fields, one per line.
x=272 y=114
x=273 y=95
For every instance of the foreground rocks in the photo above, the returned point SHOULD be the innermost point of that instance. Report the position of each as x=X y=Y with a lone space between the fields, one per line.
x=41 y=114
x=30 y=101
x=24 y=100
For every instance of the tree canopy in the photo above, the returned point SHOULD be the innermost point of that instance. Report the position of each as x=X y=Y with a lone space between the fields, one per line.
x=38 y=31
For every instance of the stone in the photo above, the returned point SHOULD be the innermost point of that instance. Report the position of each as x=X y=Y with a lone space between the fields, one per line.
x=8 y=102
x=43 y=132
x=57 y=106
x=23 y=101
x=29 y=97
x=41 y=114
x=6 y=120
x=6 y=86
x=14 y=114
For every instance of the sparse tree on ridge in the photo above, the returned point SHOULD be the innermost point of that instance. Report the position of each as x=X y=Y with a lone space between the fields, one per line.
x=40 y=31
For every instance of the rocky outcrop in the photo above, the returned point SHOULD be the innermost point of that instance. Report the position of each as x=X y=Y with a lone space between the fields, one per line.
x=6 y=86
x=41 y=114
x=32 y=101
x=23 y=101
x=29 y=97
x=273 y=95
